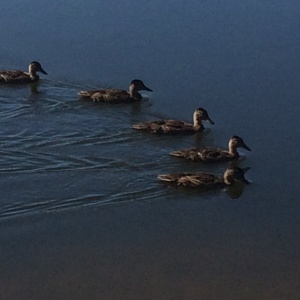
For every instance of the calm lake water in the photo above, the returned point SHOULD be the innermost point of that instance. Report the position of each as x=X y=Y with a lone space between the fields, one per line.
x=82 y=215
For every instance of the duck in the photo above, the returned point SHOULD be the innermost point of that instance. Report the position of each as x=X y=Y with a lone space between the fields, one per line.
x=210 y=154
x=176 y=126
x=117 y=95
x=206 y=181
x=20 y=77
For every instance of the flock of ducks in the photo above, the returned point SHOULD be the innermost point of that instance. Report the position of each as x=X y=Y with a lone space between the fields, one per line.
x=199 y=180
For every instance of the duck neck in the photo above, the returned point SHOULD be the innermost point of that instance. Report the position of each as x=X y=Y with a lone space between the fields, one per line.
x=197 y=122
x=233 y=150
x=32 y=73
x=133 y=92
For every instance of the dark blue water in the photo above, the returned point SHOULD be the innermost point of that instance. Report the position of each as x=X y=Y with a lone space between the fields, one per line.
x=82 y=215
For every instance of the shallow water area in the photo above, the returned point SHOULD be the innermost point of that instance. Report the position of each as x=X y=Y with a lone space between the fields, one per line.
x=82 y=214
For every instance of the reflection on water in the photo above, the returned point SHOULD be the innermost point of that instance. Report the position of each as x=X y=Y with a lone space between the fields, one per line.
x=81 y=211
x=59 y=146
x=56 y=142
x=235 y=191
x=34 y=88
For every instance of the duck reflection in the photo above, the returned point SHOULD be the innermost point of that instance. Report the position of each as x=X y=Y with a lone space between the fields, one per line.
x=34 y=88
x=235 y=190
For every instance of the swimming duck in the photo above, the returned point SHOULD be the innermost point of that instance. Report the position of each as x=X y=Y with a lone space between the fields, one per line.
x=116 y=95
x=176 y=126
x=210 y=154
x=206 y=181
x=18 y=77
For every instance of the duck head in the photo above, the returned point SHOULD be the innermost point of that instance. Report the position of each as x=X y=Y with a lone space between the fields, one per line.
x=200 y=115
x=35 y=67
x=139 y=85
x=237 y=142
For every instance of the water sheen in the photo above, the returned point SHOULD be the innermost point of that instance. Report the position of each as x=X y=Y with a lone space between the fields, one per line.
x=82 y=215
x=65 y=152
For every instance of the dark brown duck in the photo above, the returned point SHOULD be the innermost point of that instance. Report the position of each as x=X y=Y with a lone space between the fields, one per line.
x=211 y=154
x=176 y=126
x=117 y=95
x=205 y=181
x=20 y=77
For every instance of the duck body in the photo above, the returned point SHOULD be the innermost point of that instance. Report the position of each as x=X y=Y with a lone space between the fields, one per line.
x=205 y=154
x=117 y=95
x=205 y=181
x=168 y=127
x=176 y=126
x=110 y=96
x=210 y=154
x=20 y=77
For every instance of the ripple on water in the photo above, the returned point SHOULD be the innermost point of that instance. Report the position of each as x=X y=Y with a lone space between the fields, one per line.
x=58 y=152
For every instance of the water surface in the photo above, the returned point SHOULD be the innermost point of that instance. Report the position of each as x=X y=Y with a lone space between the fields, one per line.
x=82 y=215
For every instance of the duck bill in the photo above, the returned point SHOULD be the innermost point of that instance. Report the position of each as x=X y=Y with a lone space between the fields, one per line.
x=147 y=89
x=43 y=71
x=246 y=147
x=210 y=121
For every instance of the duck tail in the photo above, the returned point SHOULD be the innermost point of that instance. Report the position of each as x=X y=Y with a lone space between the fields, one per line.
x=166 y=177
x=178 y=153
x=140 y=126
x=85 y=94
